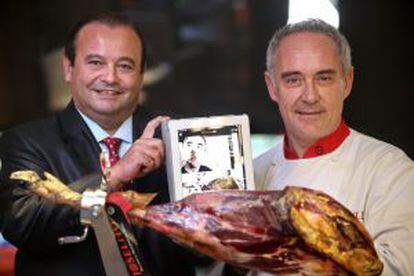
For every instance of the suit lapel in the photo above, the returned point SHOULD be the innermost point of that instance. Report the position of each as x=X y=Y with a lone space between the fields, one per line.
x=139 y=122
x=80 y=141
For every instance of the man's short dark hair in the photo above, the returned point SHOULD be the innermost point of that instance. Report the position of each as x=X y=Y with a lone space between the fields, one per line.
x=110 y=19
x=191 y=136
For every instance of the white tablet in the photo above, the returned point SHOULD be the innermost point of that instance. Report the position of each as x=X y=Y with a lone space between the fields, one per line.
x=208 y=153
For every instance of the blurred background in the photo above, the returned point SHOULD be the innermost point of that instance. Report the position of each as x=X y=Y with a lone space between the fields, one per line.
x=207 y=57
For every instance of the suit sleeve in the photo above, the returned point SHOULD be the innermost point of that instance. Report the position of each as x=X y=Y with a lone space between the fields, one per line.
x=28 y=221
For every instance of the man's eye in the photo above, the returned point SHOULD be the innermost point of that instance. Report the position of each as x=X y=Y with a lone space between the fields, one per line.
x=324 y=79
x=126 y=67
x=293 y=81
x=95 y=62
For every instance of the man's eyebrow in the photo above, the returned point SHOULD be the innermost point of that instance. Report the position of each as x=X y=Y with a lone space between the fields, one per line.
x=289 y=73
x=292 y=73
x=92 y=56
x=121 y=59
x=128 y=59
x=327 y=71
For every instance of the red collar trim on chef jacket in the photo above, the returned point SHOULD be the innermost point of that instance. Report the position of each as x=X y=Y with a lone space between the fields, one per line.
x=322 y=146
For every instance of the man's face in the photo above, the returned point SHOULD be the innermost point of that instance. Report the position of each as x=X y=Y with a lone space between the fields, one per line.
x=193 y=148
x=310 y=86
x=106 y=78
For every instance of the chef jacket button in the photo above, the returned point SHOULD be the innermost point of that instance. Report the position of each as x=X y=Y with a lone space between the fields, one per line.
x=319 y=150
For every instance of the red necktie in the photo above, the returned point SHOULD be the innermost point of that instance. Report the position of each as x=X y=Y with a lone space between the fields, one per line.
x=133 y=265
x=113 y=145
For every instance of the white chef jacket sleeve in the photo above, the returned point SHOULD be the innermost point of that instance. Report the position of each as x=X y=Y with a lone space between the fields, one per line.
x=389 y=212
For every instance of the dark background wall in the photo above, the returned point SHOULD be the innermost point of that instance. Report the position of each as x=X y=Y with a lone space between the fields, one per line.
x=215 y=50
x=381 y=103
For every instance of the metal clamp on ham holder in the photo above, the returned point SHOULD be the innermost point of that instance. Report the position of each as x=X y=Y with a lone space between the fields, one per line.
x=93 y=215
x=106 y=214
x=92 y=204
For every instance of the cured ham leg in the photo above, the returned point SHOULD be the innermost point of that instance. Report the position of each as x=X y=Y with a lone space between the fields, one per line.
x=294 y=231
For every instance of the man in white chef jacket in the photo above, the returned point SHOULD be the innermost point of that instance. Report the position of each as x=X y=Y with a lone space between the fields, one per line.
x=309 y=75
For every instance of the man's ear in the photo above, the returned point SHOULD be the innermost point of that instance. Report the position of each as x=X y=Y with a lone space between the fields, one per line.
x=271 y=86
x=67 y=69
x=348 y=79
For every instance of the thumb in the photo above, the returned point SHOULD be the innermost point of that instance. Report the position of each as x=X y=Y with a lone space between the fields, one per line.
x=152 y=125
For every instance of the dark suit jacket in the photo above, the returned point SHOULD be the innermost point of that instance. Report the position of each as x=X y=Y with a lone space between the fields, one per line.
x=64 y=146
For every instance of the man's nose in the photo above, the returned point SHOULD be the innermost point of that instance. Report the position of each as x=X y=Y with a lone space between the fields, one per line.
x=311 y=93
x=110 y=75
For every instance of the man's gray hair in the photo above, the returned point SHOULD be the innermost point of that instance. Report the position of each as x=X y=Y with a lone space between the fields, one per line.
x=313 y=26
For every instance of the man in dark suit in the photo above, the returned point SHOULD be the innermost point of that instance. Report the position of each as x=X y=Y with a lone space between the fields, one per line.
x=103 y=64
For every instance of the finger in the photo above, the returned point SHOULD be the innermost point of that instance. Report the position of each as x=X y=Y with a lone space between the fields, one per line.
x=156 y=160
x=151 y=144
x=150 y=166
x=152 y=125
x=154 y=150
x=149 y=160
x=136 y=163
